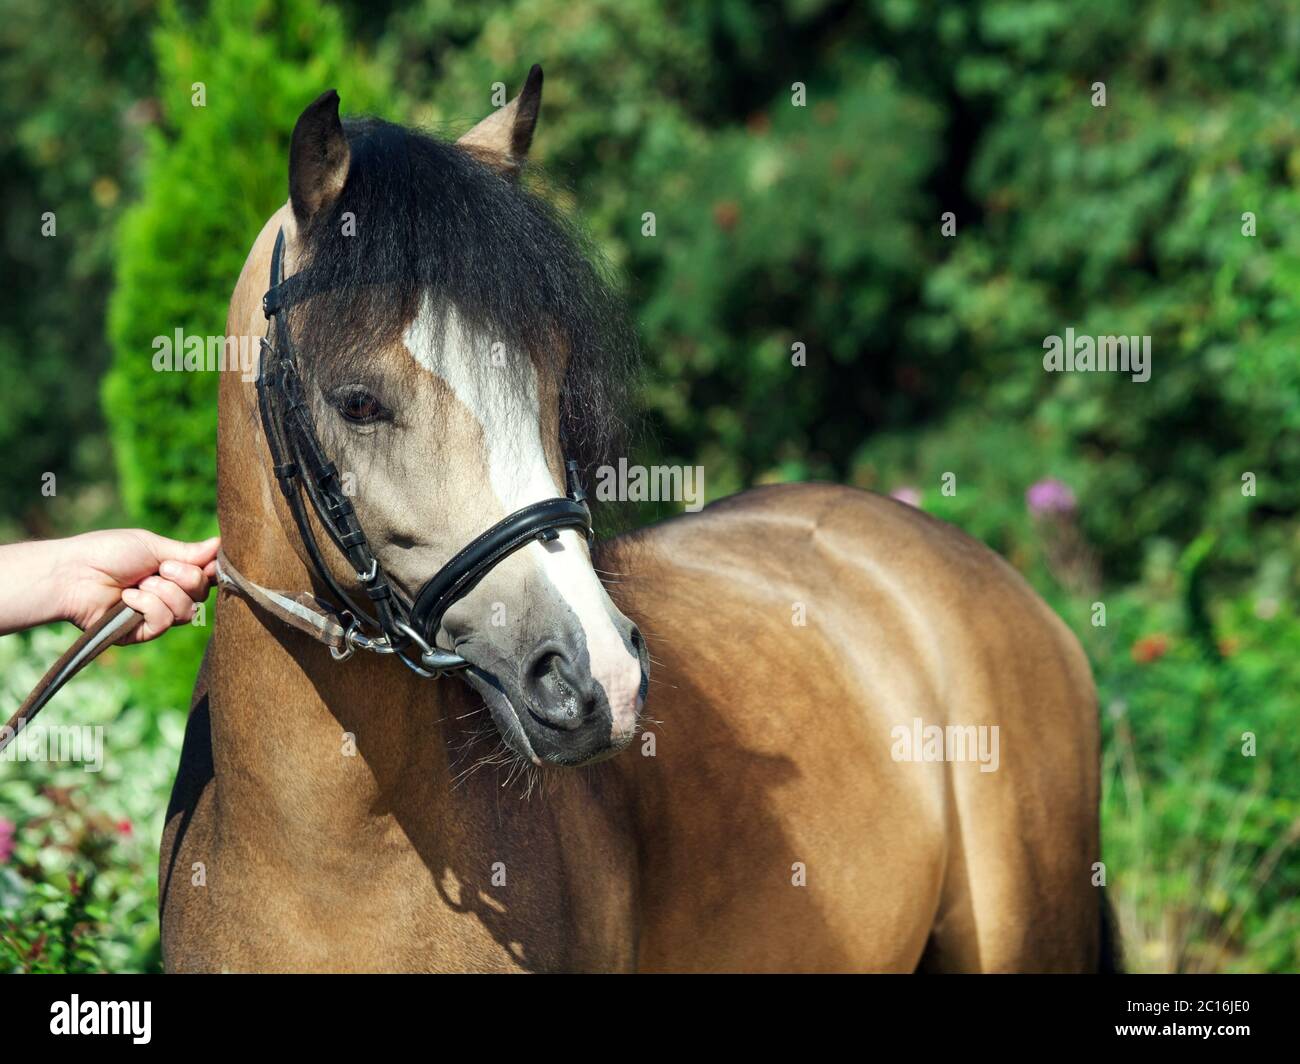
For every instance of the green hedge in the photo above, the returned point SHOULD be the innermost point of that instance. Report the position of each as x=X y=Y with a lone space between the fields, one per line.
x=212 y=176
x=71 y=128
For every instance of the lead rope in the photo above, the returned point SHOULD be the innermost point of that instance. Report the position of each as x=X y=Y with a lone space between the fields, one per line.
x=336 y=629
x=302 y=611
x=115 y=625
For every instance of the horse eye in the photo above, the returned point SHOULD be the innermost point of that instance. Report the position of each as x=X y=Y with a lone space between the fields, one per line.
x=359 y=407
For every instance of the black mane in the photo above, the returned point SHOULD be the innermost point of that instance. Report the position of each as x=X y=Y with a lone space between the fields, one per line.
x=429 y=216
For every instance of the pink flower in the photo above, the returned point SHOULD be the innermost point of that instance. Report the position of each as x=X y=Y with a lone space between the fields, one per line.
x=907 y=494
x=124 y=828
x=1050 y=496
x=7 y=829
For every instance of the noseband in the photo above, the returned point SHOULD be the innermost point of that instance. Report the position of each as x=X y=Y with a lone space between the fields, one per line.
x=394 y=624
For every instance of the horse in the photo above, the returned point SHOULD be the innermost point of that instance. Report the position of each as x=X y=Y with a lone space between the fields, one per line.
x=685 y=748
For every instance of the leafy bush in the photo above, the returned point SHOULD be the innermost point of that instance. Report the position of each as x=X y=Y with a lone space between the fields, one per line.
x=1201 y=815
x=79 y=849
x=212 y=175
x=1128 y=219
x=71 y=129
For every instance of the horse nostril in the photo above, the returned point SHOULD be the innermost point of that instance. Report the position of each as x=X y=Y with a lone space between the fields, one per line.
x=555 y=694
x=544 y=664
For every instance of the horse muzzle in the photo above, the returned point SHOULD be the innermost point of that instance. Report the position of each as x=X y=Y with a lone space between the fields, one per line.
x=563 y=702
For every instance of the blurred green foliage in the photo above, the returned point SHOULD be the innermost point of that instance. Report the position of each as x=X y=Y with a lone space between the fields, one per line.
x=1201 y=810
x=777 y=225
x=212 y=175
x=70 y=134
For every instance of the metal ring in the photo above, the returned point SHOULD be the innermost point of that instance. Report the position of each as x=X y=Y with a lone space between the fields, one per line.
x=431 y=657
x=414 y=667
x=414 y=636
x=355 y=639
x=349 y=647
x=402 y=626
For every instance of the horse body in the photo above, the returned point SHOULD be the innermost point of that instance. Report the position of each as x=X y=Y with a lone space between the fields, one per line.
x=772 y=750
x=355 y=817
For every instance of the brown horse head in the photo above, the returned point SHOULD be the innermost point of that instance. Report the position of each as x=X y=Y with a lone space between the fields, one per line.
x=459 y=345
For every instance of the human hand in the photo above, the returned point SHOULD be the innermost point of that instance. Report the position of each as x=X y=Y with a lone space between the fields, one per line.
x=80 y=578
x=158 y=577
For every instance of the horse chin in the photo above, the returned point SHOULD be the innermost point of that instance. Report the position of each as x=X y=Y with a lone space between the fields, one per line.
x=504 y=714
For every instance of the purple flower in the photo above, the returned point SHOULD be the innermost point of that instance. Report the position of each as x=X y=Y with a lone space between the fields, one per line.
x=1049 y=496
x=907 y=494
x=7 y=828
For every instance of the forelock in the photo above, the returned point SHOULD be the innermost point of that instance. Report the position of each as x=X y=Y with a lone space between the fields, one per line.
x=416 y=215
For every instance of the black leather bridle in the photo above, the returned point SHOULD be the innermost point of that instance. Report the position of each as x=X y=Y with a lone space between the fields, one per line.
x=393 y=624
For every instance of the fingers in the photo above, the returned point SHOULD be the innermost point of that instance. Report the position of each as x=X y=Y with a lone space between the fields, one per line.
x=201 y=553
x=189 y=578
x=172 y=596
x=158 y=616
x=185 y=572
x=197 y=554
x=166 y=599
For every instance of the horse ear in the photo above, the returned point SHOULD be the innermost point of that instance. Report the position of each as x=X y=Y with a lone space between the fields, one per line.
x=318 y=158
x=503 y=138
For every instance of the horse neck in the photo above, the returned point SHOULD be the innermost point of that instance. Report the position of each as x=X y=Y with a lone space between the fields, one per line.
x=321 y=749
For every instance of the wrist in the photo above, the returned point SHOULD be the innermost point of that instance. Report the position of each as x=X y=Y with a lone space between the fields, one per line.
x=59 y=576
x=36 y=583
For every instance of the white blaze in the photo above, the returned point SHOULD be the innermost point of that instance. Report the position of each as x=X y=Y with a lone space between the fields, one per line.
x=505 y=403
